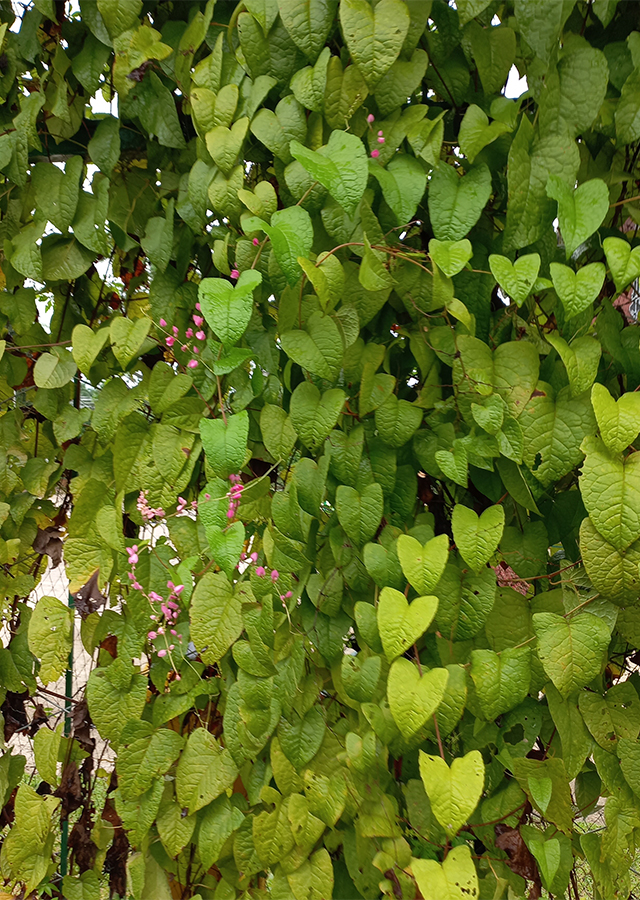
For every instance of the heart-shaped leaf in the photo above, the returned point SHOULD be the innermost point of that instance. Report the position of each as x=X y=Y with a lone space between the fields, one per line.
x=453 y=792
x=413 y=698
x=622 y=260
x=501 y=679
x=477 y=537
x=571 y=652
x=226 y=308
x=581 y=211
x=475 y=130
x=224 y=144
x=86 y=344
x=490 y=414
x=610 y=488
x=360 y=676
x=313 y=414
x=455 y=879
x=454 y=463
x=401 y=624
x=547 y=853
x=309 y=84
x=516 y=279
x=341 y=166
x=318 y=347
x=55 y=369
x=581 y=360
x=225 y=443
x=577 y=290
x=403 y=183
x=226 y=545
x=494 y=50
x=374 y=37
x=618 y=420
x=127 y=338
x=450 y=256
x=277 y=129
x=278 y=433
x=423 y=565
x=397 y=421
x=613 y=717
x=400 y=82
x=455 y=203
x=291 y=236
x=360 y=513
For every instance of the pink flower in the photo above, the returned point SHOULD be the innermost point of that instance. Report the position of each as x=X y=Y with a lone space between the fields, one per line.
x=172 y=646
x=184 y=348
x=155 y=597
x=381 y=140
x=130 y=576
x=196 y=349
x=235 y=274
x=152 y=635
x=178 y=589
x=254 y=557
x=170 y=341
x=198 y=307
x=207 y=496
x=230 y=513
x=255 y=242
x=288 y=595
x=162 y=323
x=162 y=652
x=170 y=585
x=375 y=154
x=189 y=333
x=182 y=503
x=192 y=364
x=260 y=571
x=275 y=575
x=371 y=118
x=200 y=335
x=172 y=604
x=175 y=330
x=380 y=133
x=136 y=586
x=174 y=632
x=198 y=320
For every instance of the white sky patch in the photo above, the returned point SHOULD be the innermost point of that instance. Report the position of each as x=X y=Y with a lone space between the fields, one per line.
x=515 y=86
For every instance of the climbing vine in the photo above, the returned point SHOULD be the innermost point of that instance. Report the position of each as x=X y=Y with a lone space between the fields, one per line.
x=319 y=374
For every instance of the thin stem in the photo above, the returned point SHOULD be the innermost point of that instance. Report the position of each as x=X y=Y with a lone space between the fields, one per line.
x=440 y=747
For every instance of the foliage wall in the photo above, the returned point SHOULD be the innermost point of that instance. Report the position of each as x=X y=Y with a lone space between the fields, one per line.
x=320 y=365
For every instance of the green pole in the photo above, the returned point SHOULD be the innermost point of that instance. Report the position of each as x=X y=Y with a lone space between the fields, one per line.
x=68 y=690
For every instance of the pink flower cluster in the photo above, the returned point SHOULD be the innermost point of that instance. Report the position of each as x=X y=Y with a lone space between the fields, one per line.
x=164 y=614
x=188 y=345
x=184 y=504
x=234 y=495
x=147 y=512
x=375 y=153
x=261 y=572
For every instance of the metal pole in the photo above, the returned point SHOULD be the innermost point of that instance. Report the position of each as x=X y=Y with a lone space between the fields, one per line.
x=68 y=690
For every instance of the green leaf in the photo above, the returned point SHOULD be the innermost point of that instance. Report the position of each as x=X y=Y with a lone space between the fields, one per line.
x=618 y=420
x=46 y=748
x=423 y=565
x=629 y=755
x=622 y=260
x=628 y=110
x=63 y=259
x=501 y=680
x=465 y=601
x=581 y=360
x=128 y=337
x=571 y=651
x=454 y=792
x=455 y=202
x=540 y=24
x=278 y=433
x=401 y=624
x=528 y=771
x=581 y=211
x=318 y=348
x=610 y=490
x=613 y=573
x=301 y=738
x=309 y=85
x=145 y=755
x=55 y=369
x=314 y=415
x=226 y=308
x=119 y=15
x=104 y=146
x=450 y=256
x=205 y=770
x=455 y=879
x=374 y=37
x=340 y=166
x=360 y=677
x=115 y=694
x=413 y=698
x=276 y=130
x=403 y=184
x=174 y=828
x=219 y=821
x=400 y=82
x=477 y=537
x=291 y=235
x=611 y=717
x=86 y=345
x=494 y=50
x=553 y=429
x=577 y=290
x=157 y=242
x=575 y=739
x=225 y=443
x=516 y=279
x=475 y=131
x=57 y=192
x=397 y=421
x=216 y=617
x=226 y=545
x=308 y=23
x=360 y=513
x=51 y=637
